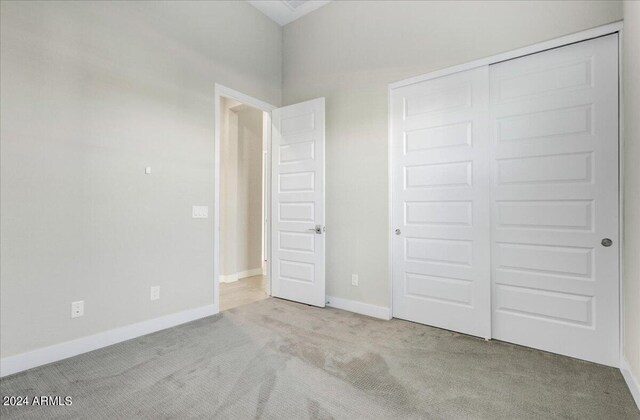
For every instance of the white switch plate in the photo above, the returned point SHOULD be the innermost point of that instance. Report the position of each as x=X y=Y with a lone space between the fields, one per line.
x=77 y=308
x=147 y=170
x=354 y=280
x=200 y=212
x=155 y=292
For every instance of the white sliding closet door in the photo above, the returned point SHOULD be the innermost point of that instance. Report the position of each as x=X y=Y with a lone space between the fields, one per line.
x=554 y=127
x=440 y=188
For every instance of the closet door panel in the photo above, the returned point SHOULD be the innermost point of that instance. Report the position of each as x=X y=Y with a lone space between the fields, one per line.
x=554 y=157
x=440 y=191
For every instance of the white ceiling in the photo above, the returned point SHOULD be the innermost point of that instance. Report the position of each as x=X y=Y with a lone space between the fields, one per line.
x=285 y=11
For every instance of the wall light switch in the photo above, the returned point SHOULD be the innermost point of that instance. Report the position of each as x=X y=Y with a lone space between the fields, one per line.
x=200 y=212
x=155 y=292
x=147 y=170
x=77 y=309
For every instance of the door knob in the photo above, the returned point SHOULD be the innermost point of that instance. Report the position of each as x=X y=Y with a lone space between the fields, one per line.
x=398 y=232
x=317 y=230
x=606 y=242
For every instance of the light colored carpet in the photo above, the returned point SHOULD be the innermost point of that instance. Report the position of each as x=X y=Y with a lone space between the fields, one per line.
x=281 y=360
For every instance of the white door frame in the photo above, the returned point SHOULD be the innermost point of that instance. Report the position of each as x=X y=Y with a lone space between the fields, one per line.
x=616 y=27
x=219 y=92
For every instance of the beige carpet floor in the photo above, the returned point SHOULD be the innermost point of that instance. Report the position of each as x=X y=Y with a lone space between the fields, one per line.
x=280 y=360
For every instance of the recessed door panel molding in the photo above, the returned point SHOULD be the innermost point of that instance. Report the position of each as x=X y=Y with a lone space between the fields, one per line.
x=505 y=200
x=434 y=175
x=550 y=259
x=438 y=213
x=572 y=215
x=439 y=251
x=546 y=124
x=557 y=168
x=439 y=96
x=554 y=153
x=296 y=123
x=296 y=271
x=575 y=73
x=296 y=182
x=553 y=307
x=297 y=241
x=298 y=246
x=297 y=152
x=440 y=188
x=450 y=135
x=296 y=212
x=435 y=288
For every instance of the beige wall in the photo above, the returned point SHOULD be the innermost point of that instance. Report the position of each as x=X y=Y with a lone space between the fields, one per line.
x=348 y=51
x=631 y=268
x=91 y=93
x=241 y=188
x=249 y=188
x=228 y=187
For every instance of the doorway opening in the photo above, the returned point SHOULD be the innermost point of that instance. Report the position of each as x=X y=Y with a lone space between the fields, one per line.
x=293 y=224
x=242 y=200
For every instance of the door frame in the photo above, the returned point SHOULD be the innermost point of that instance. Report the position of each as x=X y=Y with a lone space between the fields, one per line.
x=608 y=29
x=219 y=92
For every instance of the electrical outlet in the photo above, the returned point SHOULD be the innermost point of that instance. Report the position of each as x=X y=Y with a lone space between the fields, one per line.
x=155 y=292
x=354 y=279
x=77 y=309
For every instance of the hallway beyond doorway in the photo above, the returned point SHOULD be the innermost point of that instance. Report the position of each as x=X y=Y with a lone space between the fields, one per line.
x=242 y=292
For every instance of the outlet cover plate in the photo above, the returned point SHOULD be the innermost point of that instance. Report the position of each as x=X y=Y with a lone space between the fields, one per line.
x=77 y=309
x=155 y=292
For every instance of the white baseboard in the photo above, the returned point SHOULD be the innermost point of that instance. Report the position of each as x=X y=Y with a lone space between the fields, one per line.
x=50 y=354
x=632 y=381
x=359 y=307
x=230 y=278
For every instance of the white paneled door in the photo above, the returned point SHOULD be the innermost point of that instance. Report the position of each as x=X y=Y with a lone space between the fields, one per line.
x=440 y=194
x=298 y=216
x=505 y=201
x=554 y=138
